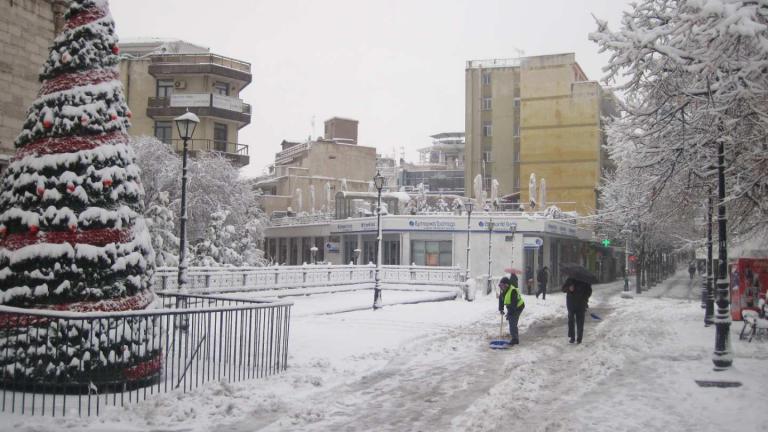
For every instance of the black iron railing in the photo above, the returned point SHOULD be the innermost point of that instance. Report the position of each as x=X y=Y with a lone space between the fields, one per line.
x=64 y=363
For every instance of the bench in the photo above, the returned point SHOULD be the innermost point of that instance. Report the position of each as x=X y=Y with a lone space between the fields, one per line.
x=753 y=325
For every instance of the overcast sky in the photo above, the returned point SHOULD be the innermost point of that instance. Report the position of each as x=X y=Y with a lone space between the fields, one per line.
x=397 y=66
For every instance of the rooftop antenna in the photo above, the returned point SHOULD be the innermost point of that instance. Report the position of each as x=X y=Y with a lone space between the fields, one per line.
x=312 y=126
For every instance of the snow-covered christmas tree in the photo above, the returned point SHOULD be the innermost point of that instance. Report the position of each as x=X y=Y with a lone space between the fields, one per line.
x=71 y=233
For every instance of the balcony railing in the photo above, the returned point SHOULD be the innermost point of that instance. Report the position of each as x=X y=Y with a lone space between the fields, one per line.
x=202 y=104
x=212 y=146
x=288 y=154
x=194 y=59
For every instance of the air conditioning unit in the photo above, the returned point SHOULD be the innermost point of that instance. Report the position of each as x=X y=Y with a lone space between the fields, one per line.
x=180 y=84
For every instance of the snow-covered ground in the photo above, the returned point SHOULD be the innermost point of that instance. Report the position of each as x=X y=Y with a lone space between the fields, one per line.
x=427 y=367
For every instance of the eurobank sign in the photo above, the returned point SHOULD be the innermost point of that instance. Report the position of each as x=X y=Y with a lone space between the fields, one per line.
x=404 y=223
x=432 y=225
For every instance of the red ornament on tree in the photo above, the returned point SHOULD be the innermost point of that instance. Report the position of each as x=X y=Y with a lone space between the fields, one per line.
x=115 y=49
x=129 y=114
x=84 y=120
x=113 y=116
x=70 y=187
x=106 y=182
x=34 y=229
x=40 y=191
x=47 y=124
x=73 y=227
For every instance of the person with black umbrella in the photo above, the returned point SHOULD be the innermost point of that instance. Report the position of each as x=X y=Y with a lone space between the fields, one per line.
x=577 y=289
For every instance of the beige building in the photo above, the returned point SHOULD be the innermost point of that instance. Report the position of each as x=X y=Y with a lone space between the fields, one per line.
x=307 y=175
x=27 y=29
x=164 y=78
x=535 y=115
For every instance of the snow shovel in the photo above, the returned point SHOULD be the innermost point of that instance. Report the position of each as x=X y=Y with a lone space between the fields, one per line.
x=500 y=343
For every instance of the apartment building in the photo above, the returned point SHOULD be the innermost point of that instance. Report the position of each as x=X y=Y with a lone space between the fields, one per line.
x=536 y=115
x=307 y=175
x=165 y=78
x=27 y=29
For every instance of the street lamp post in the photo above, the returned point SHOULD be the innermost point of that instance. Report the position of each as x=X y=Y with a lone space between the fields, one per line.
x=313 y=250
x=468 y=206
x=707 y=293
x=722 y=356
x=378 y=182
x=186 y=124
x=489 y=288
x=356 y=253
x=628 y=236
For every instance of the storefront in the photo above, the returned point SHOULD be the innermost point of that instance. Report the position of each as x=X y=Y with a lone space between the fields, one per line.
x=515 y=241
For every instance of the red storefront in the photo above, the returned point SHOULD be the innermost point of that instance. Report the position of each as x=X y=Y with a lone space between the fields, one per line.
x=749 y=281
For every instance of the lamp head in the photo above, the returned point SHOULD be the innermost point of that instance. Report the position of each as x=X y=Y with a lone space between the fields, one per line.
x=468 y=205
x=378 y=181
x=186 y=124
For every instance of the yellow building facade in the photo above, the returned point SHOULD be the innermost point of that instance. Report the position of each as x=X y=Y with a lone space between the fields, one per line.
x=535 y=115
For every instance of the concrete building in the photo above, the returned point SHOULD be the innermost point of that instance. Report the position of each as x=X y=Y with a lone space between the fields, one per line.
x=164 y=78
x=516 y=240
x=535 y=115
x=27 y=29
x=307 y=175
x=440 y=168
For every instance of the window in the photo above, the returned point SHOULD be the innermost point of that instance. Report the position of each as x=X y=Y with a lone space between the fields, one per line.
x=221 y=88
x=350 y=244
x=164 y=88
x=390 y=251
x=486 y=78
x=486 y=156
x=220 y=137
x=486 y=104
x=431 y=253
x=163 y=131
x=487 y=129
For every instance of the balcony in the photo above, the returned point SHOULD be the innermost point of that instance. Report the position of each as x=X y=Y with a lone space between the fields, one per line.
x=202 y=104
x=192 y=64
x=237 y=153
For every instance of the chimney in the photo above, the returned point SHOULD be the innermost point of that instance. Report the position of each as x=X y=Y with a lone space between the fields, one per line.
x=341 y=130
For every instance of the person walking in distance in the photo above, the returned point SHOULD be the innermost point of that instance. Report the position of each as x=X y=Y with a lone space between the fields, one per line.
x=576 y=299
x=510 y=297
x=543 y=277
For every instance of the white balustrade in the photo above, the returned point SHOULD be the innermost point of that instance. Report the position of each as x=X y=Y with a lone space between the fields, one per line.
x=229 y=279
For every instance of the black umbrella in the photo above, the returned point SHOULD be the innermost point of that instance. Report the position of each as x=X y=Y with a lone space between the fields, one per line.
x=578 y=272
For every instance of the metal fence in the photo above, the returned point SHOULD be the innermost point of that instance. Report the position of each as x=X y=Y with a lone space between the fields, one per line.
x=63 y=363
x=232 y=279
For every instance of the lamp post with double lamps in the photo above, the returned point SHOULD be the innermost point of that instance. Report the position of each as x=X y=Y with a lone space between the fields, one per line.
x=186 y=124
x=378 y=182
x=468 y=206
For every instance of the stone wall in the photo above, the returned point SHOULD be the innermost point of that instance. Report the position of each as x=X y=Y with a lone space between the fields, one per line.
x=27 y=29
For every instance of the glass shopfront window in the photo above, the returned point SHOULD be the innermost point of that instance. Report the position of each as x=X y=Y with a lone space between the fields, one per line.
x=432 y=253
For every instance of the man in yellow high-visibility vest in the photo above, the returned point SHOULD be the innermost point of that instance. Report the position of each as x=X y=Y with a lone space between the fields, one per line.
x=510 y=297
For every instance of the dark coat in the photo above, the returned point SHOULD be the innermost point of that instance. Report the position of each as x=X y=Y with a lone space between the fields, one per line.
x=543 y=276
x=578 y=297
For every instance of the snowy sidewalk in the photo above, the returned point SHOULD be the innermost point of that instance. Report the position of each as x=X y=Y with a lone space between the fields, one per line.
x=427 y=367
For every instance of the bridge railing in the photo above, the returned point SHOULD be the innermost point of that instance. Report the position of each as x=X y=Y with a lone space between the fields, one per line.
x=230 y=279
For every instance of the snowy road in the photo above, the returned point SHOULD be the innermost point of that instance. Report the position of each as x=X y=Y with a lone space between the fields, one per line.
x=434 y=382
x=427 y=367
